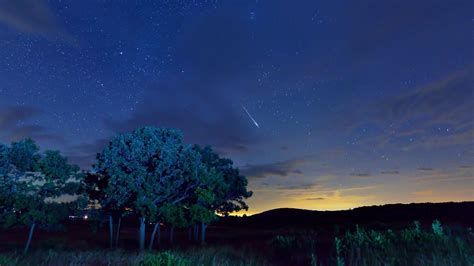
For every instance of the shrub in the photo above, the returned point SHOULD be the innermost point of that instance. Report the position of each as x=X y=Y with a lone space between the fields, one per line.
x=411 y=246
x=8 y=260
x=166 y=258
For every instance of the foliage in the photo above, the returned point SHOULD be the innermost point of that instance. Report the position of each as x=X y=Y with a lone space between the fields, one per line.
x=165 y=258
x=33 y=199
x=201 y=256
x=294 y=247
x=8 y=260
x=32 y=184
x=153 y=173
x=143 y=170
x=411 y=246
x=226 y=189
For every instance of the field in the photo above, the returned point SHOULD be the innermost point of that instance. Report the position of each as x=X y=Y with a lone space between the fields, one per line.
x=246 y=241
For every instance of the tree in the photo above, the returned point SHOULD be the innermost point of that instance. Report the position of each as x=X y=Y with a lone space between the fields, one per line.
x=95 y=186
x=174 y=216
x=6 y=183
x=17 y=163
x=37 y=183
x=146 y=170
x=222 y=190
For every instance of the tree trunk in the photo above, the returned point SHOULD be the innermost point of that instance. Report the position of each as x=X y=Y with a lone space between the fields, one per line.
x=117 y=234
x=111 y=231
x=190 y=234
x=152 y=240
x=172 y=235
x=159 y=234
x=203 y=233
x=141 y=233
x=30 y=236
x=196 y=232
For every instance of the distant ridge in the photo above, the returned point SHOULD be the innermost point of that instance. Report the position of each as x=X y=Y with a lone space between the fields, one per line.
x=448 y=213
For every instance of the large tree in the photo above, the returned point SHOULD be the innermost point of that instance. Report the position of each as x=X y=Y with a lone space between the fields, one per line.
x=38 y=185
x=147 y=169
x=222 y=190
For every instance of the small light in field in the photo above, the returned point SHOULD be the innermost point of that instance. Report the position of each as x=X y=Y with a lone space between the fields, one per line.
x=86 y=217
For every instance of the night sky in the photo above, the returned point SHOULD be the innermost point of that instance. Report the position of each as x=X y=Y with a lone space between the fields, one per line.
x=357 y=102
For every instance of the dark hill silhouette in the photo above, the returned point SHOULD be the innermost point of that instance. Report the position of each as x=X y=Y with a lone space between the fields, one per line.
x=460 y=213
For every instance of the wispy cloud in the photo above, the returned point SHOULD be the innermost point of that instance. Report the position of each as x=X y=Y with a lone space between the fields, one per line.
x=282 y=168
x=16 y=123
x=390 y=172
x=438 y=114
x=425 y=169
x=32 y=17
x=12 y=115
x=360 y=175
x=427 y=192
x=318 y=198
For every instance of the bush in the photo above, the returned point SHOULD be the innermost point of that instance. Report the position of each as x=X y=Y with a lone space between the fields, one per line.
x=8 y=260
x=164 y=259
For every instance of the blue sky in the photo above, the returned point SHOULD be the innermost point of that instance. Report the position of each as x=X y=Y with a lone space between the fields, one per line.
x=358 y=103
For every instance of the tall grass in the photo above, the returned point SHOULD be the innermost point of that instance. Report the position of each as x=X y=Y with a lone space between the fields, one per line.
x=202 y=256
x=415 y=245
x=411 y=246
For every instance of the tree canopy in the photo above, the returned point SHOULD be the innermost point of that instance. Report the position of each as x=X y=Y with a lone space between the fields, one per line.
x=34 y=183
x=157 y=176
x=150 y=173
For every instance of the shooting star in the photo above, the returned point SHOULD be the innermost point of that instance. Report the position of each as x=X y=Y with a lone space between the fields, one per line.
x=253 y=120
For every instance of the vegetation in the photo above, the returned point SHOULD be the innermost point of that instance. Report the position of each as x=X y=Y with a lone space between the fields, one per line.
x=411 y=246
x=152 y=177
x=149 y=173
x=415 y=245
x=202 y=256
x=32 y=184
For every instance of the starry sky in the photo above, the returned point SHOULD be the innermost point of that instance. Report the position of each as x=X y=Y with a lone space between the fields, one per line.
x=357 y=102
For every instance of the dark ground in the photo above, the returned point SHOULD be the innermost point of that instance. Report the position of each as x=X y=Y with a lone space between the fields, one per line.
x=253 y=232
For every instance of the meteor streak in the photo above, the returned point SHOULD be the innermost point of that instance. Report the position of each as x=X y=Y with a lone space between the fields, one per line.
x=250 y=116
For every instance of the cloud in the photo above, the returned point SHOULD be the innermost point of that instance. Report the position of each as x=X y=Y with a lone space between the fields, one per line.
x=91 y=147
x=443 y=101
x=32 y=17
x=425 y=169
x=427 y=192
x=12 y=115
x=84 y=154
x=15 y=125
x=36 y=132
x=318 y=198
x=296 y=186
x=363 y=175
x=226 y=130
x=438 y=114
x=283 y=168
x=390 y=172
x=83 y=161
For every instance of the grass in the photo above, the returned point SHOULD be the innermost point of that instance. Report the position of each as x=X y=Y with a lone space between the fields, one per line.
x=410 y=246
x=415 y=245
x=201 y=256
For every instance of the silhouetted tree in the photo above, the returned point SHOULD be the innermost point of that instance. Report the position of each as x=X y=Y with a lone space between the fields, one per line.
x=147 y=168
x=95 y=185
x=222 y=190
x=36 y=183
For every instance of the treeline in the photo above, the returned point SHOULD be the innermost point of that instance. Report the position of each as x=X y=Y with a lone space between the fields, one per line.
x=149 y=173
